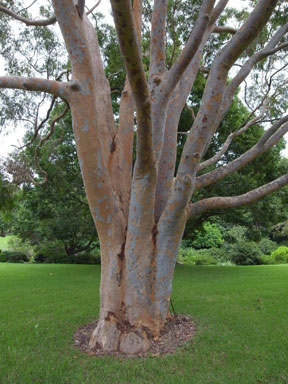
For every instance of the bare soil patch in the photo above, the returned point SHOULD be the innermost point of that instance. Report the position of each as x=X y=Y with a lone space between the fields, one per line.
x=178 y=330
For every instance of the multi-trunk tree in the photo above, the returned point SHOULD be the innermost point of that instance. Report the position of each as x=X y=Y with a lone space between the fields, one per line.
x=140 y=210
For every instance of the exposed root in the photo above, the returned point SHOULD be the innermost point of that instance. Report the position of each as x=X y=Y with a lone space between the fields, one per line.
x=111 y=337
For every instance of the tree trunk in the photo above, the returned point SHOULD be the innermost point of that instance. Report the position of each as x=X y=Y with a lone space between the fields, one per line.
x=135 y=292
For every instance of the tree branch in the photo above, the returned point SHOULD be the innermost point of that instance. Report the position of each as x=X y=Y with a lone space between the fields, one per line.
x=236 y=201
x=268 y=50
x=127 y=35
x=230 y=138
x=42 y=141
x=45 y=22
x=268 y=140
x=28 y=22
x=224 y=29
x=35 y=84
x=206 y=120
x=94 y=7
x=157 y=45
x=176 y=104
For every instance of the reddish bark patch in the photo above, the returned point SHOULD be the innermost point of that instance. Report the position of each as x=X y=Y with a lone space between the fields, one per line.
x=178 y=330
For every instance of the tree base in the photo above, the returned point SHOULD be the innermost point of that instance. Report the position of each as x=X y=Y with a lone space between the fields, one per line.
x=178 y=330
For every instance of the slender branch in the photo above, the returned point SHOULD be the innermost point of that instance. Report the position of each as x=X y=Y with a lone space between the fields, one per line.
x=51 y=20
x=93 y=8
x=268 y=50
x=236 y=201
x=45 y=22
x=38 y=127
x=43 y=140
x=267 y=141
x=230 y=138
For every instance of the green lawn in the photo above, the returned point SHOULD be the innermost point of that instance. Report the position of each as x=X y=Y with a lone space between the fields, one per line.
x=241 y=315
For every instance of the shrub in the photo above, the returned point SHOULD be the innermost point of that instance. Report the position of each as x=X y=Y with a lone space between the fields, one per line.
x=192 y=256
x=267 y=246
x=209 y=237
x=204 y=259
x=54 y=253
x=279 y=232
x=246 y=253
x=92 y=257
x=222 y=255
x=235 y=234
x=39 y=258
x=14 y=257
x=17 y=245
x=267 y=260
x=2 y=257
x=186 y=256
x=280 y=256
x=187 y=243
x=253 y=234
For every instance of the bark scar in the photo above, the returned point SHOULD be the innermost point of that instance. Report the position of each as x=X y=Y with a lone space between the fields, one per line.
x=113 y=144
x=154 y=234
x=121 y=255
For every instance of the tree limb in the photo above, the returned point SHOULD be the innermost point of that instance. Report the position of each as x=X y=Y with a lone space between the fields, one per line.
x=268 y=140
x=127 y=35
x=206 y=120
x=36 y=23
x=42 y=141
x=35 y=84
x=224 y=29
x=236 y=201
x=157 y=45
x=268 y=50
x=176 y=104
x=94 y=7
x=230 y=138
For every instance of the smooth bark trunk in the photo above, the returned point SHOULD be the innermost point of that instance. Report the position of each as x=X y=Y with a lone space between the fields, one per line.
x=136 y=285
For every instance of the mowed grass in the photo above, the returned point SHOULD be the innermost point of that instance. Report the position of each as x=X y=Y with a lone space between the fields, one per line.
x=241 y=314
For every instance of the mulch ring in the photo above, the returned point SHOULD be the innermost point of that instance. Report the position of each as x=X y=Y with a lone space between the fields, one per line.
x=178 y=330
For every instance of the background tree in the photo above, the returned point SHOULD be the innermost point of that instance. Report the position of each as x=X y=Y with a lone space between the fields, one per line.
x=57 y=210
x=140 y=215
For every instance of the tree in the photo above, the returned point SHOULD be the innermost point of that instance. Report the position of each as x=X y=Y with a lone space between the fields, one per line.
x=57 y=210
x=140 y=215
x=7 y=201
